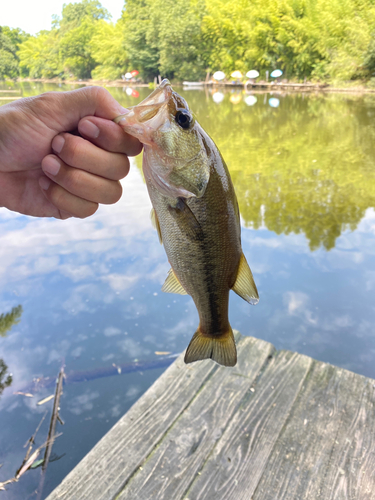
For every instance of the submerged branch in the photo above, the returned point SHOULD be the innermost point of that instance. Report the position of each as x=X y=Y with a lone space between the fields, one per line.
x=52 y=428
x=54 y=418
x=29 y=459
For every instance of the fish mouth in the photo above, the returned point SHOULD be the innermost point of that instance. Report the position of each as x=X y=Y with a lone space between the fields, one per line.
x=146 y=110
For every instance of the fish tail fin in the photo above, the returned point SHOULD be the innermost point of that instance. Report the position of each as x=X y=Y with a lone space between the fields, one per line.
x=220 y=348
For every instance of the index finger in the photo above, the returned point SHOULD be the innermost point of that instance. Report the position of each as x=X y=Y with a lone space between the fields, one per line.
x=109 y=136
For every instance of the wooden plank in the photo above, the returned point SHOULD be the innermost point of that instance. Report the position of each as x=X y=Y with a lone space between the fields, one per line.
x=168 y=473
x=102 y=473
x=240 y=457
x=327 y=448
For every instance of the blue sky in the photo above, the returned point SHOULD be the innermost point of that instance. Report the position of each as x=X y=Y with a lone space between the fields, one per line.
x=37 y=15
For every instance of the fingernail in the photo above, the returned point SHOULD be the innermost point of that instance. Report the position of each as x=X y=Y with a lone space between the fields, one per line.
x=123 y=111
x=44 y=183
x=89 y=129
x=51 y=165
x=58 y=143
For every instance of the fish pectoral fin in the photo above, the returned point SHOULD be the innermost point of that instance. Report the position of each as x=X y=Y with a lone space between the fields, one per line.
x=245 y=286
x=172 y=285
x=155 y=223
x=186 y=220
x=220 y=348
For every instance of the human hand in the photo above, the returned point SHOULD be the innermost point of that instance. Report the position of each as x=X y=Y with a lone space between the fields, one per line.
x=45 y=170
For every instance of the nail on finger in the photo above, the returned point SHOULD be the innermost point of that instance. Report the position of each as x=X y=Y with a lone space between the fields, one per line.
x=51 y=165
x=89 y=129
x=58 y=143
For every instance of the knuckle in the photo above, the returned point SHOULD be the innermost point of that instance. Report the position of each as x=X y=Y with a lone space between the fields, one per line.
x=74 y=180
x=73 y=150
x=56 y=195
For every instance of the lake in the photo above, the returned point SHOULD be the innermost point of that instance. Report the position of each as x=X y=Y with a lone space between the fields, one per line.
x=303 y=167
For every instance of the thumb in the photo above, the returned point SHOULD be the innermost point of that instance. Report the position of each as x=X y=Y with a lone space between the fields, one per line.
x=92 y=101
x=64 y=110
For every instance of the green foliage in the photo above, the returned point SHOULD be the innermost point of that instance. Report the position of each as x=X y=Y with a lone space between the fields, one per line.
x=5 y=380
x=304 y=168
x=75 y=47
x=6 y=322
x=369 y=62
x=176 y=34
x=9 y=62
x=8 y=58
x=182 y=39
x=142 y=52
x=67 y=49
x=9 y=319
x=40 y=55
x=74 y=13
x=108 y=50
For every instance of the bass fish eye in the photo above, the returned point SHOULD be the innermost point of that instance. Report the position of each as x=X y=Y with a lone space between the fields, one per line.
x=184 y=118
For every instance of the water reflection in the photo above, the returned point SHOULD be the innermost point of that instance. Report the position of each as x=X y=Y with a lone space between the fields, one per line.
x=5 y=378
x=274 y=102
x=250 y=100
x=90 y=289
x=7 y=321
x=306 y=170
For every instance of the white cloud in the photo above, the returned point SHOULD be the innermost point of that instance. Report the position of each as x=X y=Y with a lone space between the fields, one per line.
x=40 y=246
x=83 y=403
x=111 y=331
x=120 y=282
x=132 y=349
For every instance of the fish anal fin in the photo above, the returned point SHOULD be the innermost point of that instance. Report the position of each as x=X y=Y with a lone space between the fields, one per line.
x=245 y=286
x=220 y=348
x=155 y=223
x=172 y=284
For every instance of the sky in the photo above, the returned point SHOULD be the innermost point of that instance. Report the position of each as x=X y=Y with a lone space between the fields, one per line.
x=36 y=15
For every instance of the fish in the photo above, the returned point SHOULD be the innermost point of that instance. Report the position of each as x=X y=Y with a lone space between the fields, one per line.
x=196 y=214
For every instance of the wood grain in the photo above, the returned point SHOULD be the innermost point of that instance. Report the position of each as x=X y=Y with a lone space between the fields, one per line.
x=168 y=473
x=278 y=426
x=327 y=449
x=105 y=470
x=239 y=459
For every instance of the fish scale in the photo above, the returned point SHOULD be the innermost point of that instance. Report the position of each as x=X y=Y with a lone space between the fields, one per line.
x=196 y=214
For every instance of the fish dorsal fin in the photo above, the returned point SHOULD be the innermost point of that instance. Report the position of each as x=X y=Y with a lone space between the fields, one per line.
x=155 y=223
x=244 y=285
x=172 y=285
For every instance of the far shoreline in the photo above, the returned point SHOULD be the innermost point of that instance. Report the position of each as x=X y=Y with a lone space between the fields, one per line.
x=248 y=86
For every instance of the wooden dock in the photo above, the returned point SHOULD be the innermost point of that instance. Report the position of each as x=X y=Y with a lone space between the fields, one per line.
x=277 y=426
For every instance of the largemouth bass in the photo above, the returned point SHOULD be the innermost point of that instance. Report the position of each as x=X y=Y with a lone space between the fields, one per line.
x=195 y=212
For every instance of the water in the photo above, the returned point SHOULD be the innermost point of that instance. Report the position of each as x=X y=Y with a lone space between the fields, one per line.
x=303 y=169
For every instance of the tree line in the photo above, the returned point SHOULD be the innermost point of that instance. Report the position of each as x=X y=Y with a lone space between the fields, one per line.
x=185 y=39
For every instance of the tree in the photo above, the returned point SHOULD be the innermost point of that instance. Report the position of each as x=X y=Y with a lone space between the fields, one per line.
x=179 y=43
x=8 y=56
x=142 y=52
x=40 y=55
x=108 y=51
x=66 y=49
x=5 y=380
x=77 y=27
x=76 y=52
x=8 y=320
x=6 y=323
